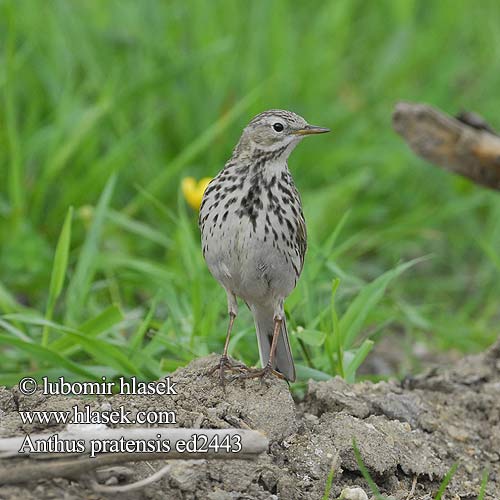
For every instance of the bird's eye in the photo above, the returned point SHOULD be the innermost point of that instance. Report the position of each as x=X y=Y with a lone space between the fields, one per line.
x=278 y=127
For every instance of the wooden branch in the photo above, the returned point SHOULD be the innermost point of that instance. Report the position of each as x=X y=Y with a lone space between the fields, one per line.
x=13 y=470
x=466 y=145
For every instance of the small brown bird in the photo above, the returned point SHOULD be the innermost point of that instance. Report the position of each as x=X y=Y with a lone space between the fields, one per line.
x=254 y=235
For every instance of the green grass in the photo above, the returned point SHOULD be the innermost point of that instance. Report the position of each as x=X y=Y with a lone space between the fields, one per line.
x=365 y=473
x=106 y=106
x=329 y=483
x=446 y=480
x=484 y=483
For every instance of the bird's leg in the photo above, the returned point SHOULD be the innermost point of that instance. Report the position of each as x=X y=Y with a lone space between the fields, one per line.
x=225 y=363
x=232 y=317
x=274 y=343
x=268 y=369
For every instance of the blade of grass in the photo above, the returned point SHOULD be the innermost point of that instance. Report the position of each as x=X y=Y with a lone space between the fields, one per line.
x=15 y=331
x=365 y=473
x=58 y=271
x=328 y=485
x=484 y=482
x=336 y=337
x=305 y=373
x=152 y=269
x=353 y=319
x=359 y=357
x=40 y=354
x=8 y=302
x=104 y=321
x=88 y=120
x=491 y=253
x=170 y=365
x=324 y=252
x=15 y=181
x=85 y=269
x=446 y=481
x=138 y=228
x=311 y=337
x=138 y=336
x=104 y=351
x=101 y=323
x=166 y=212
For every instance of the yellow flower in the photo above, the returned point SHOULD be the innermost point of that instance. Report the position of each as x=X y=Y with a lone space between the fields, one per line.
x=193 y=191
x=85 y=214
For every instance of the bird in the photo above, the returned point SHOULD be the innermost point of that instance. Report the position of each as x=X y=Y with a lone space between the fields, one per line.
x=254 y=237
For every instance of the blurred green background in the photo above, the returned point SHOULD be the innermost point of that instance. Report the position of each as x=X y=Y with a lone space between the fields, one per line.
x=106 y=106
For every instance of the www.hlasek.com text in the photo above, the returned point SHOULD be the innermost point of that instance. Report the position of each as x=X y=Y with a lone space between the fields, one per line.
x=86 y=415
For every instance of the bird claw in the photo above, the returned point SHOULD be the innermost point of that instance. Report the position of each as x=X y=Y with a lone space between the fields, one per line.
x=262 y=373
x=226 y=364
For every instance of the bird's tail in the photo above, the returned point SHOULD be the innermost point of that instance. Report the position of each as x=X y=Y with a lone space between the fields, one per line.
x=283 y=361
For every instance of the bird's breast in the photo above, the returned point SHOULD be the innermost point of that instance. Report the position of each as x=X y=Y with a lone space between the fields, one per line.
x=250 y=229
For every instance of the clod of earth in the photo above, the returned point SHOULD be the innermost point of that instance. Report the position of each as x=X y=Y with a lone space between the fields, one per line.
x=416 y=429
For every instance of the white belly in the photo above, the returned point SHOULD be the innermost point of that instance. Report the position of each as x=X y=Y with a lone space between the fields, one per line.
x=251 y=264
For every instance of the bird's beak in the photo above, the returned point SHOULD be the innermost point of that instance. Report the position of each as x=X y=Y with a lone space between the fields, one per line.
x=311 y=129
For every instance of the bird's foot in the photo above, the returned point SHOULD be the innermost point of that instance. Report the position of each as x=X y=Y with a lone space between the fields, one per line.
x=262 y=373
x=226 y=364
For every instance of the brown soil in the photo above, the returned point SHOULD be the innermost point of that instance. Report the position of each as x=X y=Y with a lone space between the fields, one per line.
x=406 y=432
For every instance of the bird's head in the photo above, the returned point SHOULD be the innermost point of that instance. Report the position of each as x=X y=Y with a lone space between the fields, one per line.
x=277 y=131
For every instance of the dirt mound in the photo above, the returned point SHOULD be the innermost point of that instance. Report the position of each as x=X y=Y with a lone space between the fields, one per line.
x=409 y=434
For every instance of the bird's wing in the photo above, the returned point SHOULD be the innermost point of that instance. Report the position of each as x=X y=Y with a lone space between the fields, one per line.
x=202 y=215
x=301 y=238
x=301 y=228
